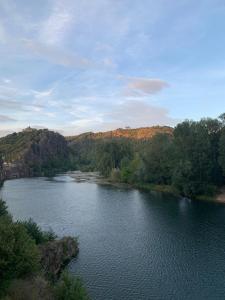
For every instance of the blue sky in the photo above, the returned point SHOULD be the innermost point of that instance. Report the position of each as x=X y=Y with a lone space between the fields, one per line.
x=90 y=65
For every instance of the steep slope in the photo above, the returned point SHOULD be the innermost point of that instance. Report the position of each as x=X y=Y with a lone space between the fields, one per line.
x=33 y=152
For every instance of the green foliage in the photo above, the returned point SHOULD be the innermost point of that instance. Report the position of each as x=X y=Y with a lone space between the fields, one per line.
x=109 y=154
x=3 y=208
x=19 y=256
x=192 y=160
x=20 y=267
x=196 y=166
x=158 y=160
x=70 y=288
x=36 y=233
x=41 y=152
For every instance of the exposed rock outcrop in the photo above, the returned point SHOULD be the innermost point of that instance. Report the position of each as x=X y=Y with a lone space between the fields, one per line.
x=32 y=152
x=56 y=254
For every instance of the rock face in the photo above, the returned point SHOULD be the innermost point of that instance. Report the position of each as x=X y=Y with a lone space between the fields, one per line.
x=56 y=254
x=32 y=152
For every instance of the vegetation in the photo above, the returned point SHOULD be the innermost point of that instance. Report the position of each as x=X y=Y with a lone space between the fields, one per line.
x=38 y=235
x=36 y=152
x=19 y=255
x=21 y=274
x=190 y=160
x=70 y=288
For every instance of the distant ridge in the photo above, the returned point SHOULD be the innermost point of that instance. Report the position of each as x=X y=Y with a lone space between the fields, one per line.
x=130 y=133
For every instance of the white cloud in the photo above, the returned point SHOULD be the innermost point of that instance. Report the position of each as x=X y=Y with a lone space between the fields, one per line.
x=139 y=114
x=6 y=80
x=43 y=94
x=138 y=86
x=54 y=29
x=55 y=55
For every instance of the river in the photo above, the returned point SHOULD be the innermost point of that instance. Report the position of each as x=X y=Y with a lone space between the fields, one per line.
x=133 y=245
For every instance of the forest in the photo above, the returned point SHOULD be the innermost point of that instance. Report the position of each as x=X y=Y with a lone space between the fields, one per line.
x=190 y=161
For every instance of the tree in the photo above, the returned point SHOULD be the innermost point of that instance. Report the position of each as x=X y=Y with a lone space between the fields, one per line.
x=19 y=255
x=196 y=149
x=35 y=232
x=70 y=288
x=3 y=208
x=158 y=160
x=222 y=118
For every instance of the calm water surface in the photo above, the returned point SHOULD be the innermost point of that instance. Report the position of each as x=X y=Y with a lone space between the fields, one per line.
x=133 y=245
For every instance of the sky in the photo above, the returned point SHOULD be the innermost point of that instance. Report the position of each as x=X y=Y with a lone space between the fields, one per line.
x=94 y=65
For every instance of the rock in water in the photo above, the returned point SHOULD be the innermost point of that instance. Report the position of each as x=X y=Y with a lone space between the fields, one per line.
x=56 y=254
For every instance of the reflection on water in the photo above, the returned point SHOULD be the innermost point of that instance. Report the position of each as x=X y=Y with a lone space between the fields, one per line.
x=133 y=245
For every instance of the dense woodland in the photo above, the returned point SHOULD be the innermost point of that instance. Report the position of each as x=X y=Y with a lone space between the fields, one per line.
x=190 y=161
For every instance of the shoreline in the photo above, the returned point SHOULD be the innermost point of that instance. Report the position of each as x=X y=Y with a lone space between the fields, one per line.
x=95 y=177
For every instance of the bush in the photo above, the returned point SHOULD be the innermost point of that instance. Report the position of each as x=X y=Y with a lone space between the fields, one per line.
x=36 y=288
x=36 y=233
x=70 y=288
x=3 y=208
x=19 y=256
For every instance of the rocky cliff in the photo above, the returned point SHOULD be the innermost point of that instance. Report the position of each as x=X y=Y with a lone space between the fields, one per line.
x=32 y=152
x=55 y=254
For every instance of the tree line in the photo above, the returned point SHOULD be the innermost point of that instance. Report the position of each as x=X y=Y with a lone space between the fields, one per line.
x=191 y=160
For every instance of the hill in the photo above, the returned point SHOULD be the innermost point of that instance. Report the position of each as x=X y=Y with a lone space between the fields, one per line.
x=33 y=152
x=142 y=133
x=87 y=148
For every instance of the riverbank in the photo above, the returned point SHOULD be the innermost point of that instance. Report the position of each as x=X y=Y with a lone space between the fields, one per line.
x=220 y=198
x=95 y=177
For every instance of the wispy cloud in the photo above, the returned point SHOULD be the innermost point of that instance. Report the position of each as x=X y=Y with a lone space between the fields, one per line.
x=55 y=27
x=6 y=119
x=11 y=105
x=139 y=113
x=138 y=86
x=56 y=55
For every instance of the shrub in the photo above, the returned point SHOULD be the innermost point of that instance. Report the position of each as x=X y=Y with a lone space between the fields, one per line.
x=36 y=288
x=70 y=288
x=3 y=208
x=19 y=256
x=36 y=233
